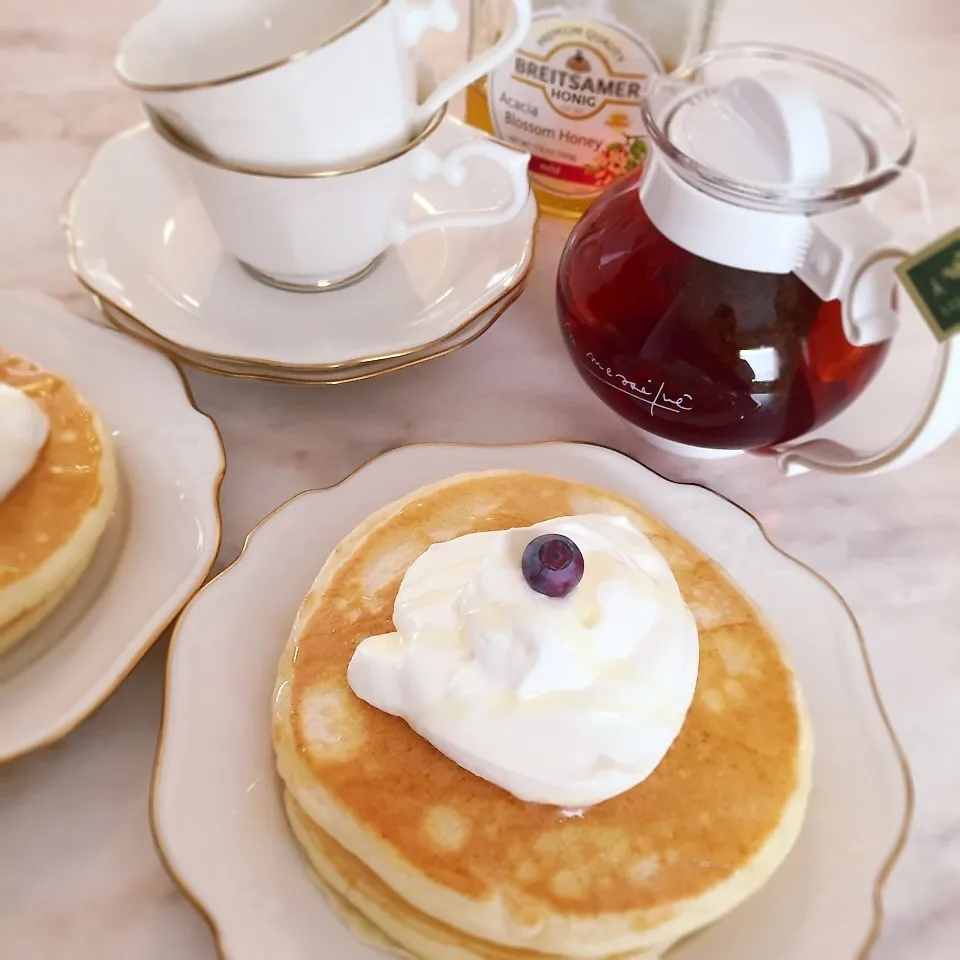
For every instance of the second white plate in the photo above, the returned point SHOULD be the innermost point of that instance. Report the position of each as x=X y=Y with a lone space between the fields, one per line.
x=128 y=324
x=217 y=808
x=158 y=548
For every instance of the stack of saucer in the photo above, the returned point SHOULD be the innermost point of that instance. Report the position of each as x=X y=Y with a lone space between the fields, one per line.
x=298 y=207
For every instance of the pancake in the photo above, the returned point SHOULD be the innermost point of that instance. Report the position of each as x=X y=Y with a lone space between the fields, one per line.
x=52 y=521
x=431 y=854
x=382 y=918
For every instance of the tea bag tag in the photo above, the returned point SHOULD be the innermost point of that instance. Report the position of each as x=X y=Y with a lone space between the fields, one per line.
x=931 y=277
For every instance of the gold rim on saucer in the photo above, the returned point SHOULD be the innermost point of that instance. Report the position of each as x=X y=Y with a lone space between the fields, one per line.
x=318 y=286
x=66 y=729
x=182 y=145
x=109 y=311
x=201 y=360
x=243 y=74
x=886 y=867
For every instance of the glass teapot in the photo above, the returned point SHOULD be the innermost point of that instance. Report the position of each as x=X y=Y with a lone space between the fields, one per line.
x=738 y=293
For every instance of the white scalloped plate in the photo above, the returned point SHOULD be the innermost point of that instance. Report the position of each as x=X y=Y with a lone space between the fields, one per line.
x=129 y=325
x=158 y=548
x=217 y=812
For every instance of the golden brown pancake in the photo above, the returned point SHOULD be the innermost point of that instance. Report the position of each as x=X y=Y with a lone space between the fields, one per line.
x=373 y=910
x=637 y=872
x=51 y=521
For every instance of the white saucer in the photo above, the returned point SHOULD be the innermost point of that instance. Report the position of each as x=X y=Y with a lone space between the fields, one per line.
x=305 y=375
x=159 y=546
x=217 y=808
x=140 y=239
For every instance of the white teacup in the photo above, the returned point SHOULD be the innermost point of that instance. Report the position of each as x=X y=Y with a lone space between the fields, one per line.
x=318 y=231
x=287 y=84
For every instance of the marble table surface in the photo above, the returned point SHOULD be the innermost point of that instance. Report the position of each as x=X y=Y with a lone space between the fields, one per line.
x=79 y=878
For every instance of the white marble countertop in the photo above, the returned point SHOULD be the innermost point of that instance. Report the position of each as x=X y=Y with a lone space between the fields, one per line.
x=79 y=878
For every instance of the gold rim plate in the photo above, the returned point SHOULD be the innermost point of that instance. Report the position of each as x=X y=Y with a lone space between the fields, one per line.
x=127 y=324
x=62 y=731
x=888 y=863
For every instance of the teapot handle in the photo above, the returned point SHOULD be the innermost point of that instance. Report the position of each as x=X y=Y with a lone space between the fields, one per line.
x=938 y=419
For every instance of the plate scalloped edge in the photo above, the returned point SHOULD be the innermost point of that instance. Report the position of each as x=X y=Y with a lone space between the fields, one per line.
x=888 y=863
x=56 y=736
x=447 y=345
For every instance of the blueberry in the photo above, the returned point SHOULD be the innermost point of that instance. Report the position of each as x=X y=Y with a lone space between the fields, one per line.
x=552 y=565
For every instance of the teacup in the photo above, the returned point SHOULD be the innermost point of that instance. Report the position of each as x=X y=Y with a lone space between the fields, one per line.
x=321 y=230
x=288 y=84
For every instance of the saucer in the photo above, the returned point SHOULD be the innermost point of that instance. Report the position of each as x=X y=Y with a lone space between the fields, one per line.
x=217 y=809
x=129 y=324
x=159 y=546
x=140 y=240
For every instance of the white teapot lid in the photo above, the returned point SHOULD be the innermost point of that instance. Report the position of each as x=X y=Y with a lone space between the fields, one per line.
x=769 y=129
x=751 y=142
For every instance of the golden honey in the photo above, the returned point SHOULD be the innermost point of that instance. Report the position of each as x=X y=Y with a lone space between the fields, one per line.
x=570 y=94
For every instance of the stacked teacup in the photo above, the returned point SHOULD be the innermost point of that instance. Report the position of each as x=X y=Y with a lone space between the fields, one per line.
x=306 y=125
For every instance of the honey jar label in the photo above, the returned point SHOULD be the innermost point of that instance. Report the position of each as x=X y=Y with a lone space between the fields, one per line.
x=570 y=96
x=932 y=278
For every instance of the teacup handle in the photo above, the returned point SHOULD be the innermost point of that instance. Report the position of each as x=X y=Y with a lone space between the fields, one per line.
x=441 y=14
x=451 y=168
x=939 y=415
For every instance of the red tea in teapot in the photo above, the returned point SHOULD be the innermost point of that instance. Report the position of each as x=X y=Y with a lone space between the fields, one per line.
x=738 y=292
x=695 y=351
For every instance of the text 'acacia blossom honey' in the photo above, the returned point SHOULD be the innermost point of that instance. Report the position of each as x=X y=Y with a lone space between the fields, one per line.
x=570 y=95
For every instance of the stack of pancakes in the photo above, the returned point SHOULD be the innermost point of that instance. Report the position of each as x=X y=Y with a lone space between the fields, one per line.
x=424 y=856
x=51 y=522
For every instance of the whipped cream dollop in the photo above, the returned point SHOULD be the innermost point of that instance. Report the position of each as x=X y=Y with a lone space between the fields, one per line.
x=565 y=701
x=24 y=428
